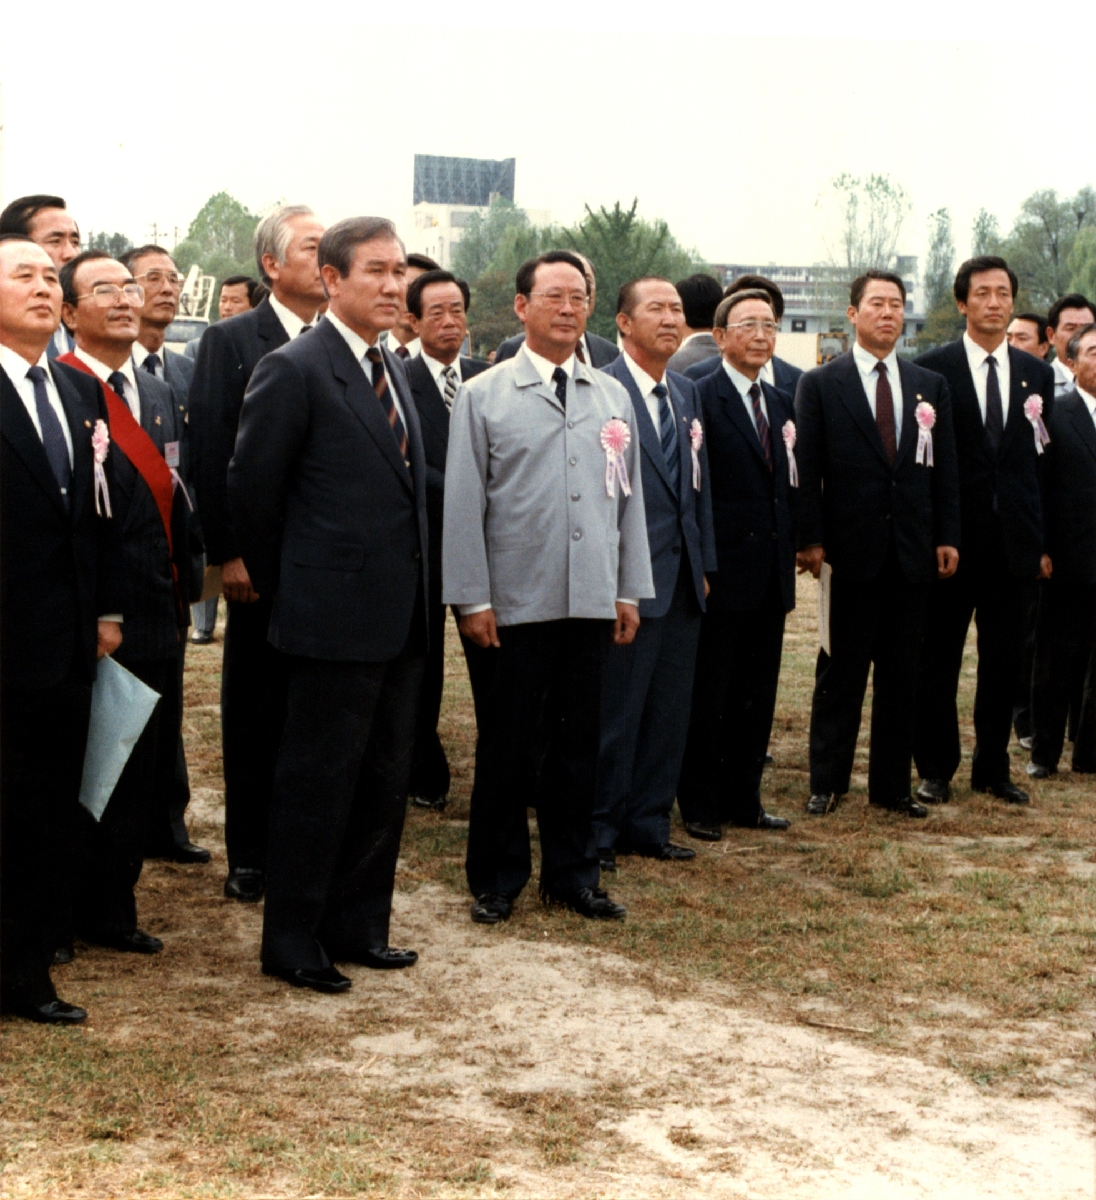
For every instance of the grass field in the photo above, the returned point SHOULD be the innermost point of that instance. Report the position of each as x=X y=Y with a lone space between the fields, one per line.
x=962 y=945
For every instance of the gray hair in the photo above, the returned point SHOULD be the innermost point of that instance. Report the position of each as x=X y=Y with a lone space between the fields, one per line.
x=1074 y=347
x=723 y=312
x=338 y=244
x=273 y=234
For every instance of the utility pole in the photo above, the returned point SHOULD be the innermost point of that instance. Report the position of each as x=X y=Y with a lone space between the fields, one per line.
x=155 y=234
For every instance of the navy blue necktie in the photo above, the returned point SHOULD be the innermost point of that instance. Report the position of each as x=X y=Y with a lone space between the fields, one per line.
x=667 y=435
x=53 y=436
x=559 y=378
x=152 y=363
x=763 y=434
x=995 y=417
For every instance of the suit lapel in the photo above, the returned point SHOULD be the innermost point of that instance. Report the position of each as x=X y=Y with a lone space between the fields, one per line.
x=649 y=439
x=1019 y=389
x=684 y=437
x=432 y=409
x=964 y=402
x=527 y=376
x=734 y=406
x=910 y=401
x=20 y=434
x=269 y=329
x=1083 y=423
x=83 y=463
x=856 y=401
x=776 y=429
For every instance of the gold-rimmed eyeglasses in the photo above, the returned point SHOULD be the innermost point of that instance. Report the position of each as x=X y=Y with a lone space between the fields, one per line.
x=558 y=299
x=106 y=295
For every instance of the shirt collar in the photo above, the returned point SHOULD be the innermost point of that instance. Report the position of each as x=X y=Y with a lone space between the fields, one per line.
x=1090 y=401
x=866 y=361
x=358 y=345
x=1065 y=372
x=546 y=369
x=436 y=368
x=140 y=355
x=16 y=366
x=977 y=356
x=104 y=372
x=645 y=382
x=742 y=383
x=291 y=323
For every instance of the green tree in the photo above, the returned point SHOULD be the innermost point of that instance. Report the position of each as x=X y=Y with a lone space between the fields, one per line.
x=115 y=244
x=1082 y=263
x=623 y=246
x=474 y=255
x=943 y=322
x=985 y=235
x=221 y=240
x=491 y=317
x=1041 y=241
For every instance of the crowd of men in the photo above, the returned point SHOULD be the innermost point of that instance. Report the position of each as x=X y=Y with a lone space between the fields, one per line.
x=615 y=527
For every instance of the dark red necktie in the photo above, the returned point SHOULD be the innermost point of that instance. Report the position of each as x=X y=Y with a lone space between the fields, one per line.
x=380 y=386
x=884 y=412
x=402 y=352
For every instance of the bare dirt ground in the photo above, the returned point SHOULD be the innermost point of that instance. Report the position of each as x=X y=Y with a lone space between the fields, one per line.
x=862 y=1008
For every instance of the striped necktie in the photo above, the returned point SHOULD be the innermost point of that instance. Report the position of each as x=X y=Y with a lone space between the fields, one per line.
x=763 y=434
x=380 y=386
x=449 y=391
x=667 y=435
x=53 y=436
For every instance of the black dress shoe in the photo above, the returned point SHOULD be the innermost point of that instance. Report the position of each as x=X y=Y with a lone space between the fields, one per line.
x=63 y=955
x=54 y=1012
x=245 y=883
x=321 y=979
x=187 y=852
x=383 y=958
x=667 y=852
x=433 y=803
x=1038 y=771
x=822 y=803
x=1005 y=790
x=904 y=804
x=588 y=902
x=606 y=860
x=767 y=821
x=704 y=833
x=1025 y=743
x=490 y=909
x=200 y=639
x=934 y=791
x=135 y=942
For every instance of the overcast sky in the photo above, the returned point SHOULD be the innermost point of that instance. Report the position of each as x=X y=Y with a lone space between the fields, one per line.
x=728 y=126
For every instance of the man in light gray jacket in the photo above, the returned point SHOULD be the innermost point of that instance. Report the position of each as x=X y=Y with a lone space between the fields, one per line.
x=545 y=554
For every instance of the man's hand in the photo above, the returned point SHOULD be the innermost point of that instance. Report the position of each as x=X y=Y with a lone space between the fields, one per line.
x=481 y=628
x=110 y=638
x=947 y=561
x=1045 y=567
x=811 y=560
x=236 y=582
x=707 y=588
x=626 y=624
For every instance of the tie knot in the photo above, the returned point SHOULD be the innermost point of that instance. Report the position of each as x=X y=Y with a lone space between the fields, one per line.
x=991 y=362
x=305 y=329
x=118 y=382
x=660 y=391
x=152 y=362
x=881 y=367
x=559 y=377
x=35 y=374
x=373 y=354
x=755 y=392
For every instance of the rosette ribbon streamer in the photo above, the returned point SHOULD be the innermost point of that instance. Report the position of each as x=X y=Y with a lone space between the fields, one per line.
x=925 y=416
x=616 y=437
x=696 y=440
x=1033 y=410
x=100 y=444
x=177 y=482
x=788 y=434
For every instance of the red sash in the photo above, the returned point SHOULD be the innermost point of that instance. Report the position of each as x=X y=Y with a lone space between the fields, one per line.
x=138 y=447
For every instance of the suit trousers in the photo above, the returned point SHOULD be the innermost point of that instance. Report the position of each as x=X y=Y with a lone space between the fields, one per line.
x=180 y=787
x=983 y=588
x=873 y=623
x=1065 y=647
x=1021 y=708
x=543 y=724
x=483 y=675
x=253 y=707
x=172 y=790
x=646 y=694
x=429 y=768
x=734 y=698
x=340 y=796
x=44 y=735
x=204 y=615
x=110 y=852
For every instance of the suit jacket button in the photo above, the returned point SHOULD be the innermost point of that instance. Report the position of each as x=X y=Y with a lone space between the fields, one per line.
x=576 y=536
x=417 y=556
x=572 y=460
x=570 y=424
x=575 y=496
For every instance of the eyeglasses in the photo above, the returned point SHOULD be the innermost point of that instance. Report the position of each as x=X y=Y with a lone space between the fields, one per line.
x=106 y=295
x=768 y=328
x=558 y=299
x=159 y=278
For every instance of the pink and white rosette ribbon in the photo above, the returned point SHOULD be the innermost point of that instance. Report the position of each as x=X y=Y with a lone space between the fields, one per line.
x=696 y=440
x=616 y=437
x=100 y=444
x=177 y=482
x=1033 y=410
x=788 y=434
x=925 y=415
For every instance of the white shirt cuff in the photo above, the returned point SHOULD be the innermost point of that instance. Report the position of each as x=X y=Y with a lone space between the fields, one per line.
x=115 y=617
x=633 y=603
x=466 y=610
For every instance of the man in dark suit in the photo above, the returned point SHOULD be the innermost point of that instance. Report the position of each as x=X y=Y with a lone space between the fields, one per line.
x=700 y=296
x=879 y=503
x=252 y=682
x=102 y=299
x=776 y=372
x=992 y=387
x=62 y=594
x=647 y=685
x=591 y=349
x=746 y=426
x=1065 y=631
x=437 y=304
x=401 y=339
x=328 y=488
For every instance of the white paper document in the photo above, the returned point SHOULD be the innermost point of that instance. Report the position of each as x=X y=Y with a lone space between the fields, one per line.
x=825 y=583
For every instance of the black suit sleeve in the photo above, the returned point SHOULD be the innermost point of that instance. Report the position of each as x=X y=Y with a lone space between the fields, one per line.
x=273 y=426
x=810 y=453
x=945 y=473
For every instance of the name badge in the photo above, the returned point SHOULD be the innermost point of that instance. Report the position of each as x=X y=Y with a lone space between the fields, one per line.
x=171 y=454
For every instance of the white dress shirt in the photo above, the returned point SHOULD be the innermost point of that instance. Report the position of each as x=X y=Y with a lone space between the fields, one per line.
x=140 y=355
x=1063 y=379
x=413 y=347
x=358 y=346
x=546 y=369
x=767 y=375
x=1090 y=402
x=977 y=357
x=437 y=369
x=647 y=387
x=291 y=323
x=129 y=392
x=866 y=363
x=742 y=385
x=16 y=367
